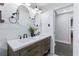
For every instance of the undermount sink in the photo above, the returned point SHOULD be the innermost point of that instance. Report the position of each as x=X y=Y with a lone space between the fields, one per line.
x=26 y=40
x=23 y=41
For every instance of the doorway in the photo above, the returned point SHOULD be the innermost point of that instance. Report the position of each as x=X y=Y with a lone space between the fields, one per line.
x=64 y=33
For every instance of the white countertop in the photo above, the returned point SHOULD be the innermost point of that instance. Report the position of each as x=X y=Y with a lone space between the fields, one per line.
x=18 y=44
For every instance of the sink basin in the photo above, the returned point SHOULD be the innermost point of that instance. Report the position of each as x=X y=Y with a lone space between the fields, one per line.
x=26 y=40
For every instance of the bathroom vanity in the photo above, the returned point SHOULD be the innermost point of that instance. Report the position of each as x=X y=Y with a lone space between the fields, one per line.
x=32 y=46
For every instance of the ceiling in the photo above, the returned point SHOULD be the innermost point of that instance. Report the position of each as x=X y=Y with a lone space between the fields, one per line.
x=47 y=6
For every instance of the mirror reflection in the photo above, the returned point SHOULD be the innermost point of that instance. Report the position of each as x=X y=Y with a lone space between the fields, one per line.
x=29 y=17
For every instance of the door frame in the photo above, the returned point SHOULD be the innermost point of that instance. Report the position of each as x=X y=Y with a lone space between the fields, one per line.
x=54 y=15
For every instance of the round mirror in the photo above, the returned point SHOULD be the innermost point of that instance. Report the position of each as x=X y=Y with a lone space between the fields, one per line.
x=23 y=15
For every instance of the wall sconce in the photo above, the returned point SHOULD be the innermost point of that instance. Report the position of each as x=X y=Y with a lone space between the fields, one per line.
x=1 y=20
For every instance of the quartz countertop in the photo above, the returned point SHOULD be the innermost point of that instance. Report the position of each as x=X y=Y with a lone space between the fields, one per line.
x=18 y=44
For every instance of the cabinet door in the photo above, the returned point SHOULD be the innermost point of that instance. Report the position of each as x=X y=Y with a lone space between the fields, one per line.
x=45 y=45
x=33 y=50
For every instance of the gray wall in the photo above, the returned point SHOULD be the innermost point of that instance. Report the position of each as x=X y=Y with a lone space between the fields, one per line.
x=63 y=29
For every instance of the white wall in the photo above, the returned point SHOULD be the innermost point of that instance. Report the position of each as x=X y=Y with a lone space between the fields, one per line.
x=45 y=21
x=76 y=30
x=7 y=30
x=62 y=29
x=47 y=18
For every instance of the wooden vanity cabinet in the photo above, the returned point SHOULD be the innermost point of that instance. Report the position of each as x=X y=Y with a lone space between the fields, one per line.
x=36 y=49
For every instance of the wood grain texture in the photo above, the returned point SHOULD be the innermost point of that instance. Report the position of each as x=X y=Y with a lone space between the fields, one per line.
x=36 y=49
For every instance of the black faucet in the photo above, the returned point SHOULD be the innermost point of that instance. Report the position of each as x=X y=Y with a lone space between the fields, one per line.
x=24 y=35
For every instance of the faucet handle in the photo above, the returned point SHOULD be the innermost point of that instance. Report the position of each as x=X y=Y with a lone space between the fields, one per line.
x=19 y=36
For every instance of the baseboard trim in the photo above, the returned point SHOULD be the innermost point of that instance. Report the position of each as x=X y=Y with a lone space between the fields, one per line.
x=63 y=42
